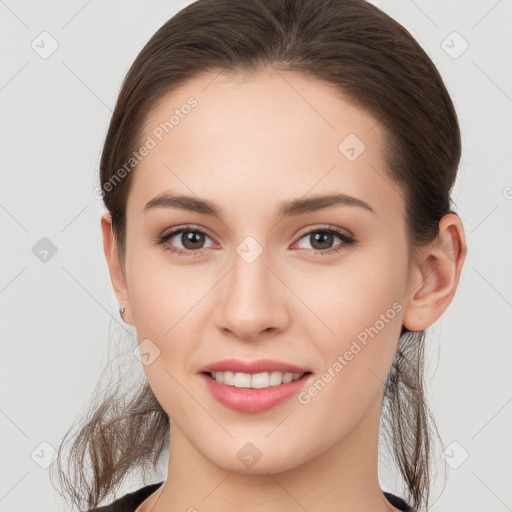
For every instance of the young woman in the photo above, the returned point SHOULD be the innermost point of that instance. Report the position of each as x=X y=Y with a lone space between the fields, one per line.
x=279 y=232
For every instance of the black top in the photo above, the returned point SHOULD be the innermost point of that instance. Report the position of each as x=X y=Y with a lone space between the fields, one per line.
x=129 y=502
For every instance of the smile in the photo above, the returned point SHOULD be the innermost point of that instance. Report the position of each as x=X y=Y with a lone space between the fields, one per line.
x=255 y=380
x=238 y=392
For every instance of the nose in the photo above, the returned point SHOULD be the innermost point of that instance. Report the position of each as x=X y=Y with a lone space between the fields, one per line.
x=252 y=301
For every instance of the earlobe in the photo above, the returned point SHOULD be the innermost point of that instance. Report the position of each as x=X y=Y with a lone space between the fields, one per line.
x=117 y=275
x=436 y=275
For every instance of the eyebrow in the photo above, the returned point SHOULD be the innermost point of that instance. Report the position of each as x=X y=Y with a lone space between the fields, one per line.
x=286 y=208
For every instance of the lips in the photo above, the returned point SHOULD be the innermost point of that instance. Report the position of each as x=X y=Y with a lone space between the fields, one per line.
x=258 y=366
x=251 y=400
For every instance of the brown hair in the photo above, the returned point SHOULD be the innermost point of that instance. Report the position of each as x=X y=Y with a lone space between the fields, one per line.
x=374 y=62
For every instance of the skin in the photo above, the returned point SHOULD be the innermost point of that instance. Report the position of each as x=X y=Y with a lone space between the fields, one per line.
x=251 y=143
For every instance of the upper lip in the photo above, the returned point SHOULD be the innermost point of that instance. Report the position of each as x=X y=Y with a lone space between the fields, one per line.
x=259 y=366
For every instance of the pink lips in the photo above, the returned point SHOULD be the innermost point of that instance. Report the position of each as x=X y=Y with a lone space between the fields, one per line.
x=259 y=366
x=251 y=399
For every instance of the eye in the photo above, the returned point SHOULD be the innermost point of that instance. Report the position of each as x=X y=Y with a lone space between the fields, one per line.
x=191 y=239
x=321 y=240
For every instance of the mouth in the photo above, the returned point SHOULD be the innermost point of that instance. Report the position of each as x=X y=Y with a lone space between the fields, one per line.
x=255 y=380
x=254 y=392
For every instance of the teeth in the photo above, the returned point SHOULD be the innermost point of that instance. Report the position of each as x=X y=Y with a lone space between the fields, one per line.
x=256 y=380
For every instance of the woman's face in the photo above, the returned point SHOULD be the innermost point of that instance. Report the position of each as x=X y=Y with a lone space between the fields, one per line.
x=265 y=278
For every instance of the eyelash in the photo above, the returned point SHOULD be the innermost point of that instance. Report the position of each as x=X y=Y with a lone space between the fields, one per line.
x=347 y=241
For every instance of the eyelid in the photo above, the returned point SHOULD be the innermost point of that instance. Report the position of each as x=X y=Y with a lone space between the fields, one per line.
x=186 y=227
x=326 y=227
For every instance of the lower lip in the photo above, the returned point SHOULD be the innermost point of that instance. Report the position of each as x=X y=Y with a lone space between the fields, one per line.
x=252 y=399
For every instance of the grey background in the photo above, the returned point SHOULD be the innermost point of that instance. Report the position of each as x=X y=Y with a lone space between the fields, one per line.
x=59 y=318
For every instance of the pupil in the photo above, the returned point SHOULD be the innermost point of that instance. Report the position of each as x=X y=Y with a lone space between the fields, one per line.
x=323 y=238
x=191 y=238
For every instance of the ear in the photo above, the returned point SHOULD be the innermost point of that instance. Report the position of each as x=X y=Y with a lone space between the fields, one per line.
x=116 y=269
x=436 y=275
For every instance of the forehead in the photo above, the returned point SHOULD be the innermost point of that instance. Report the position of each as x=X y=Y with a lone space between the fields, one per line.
x=272 y=133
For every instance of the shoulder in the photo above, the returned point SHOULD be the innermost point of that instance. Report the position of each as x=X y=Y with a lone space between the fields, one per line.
x=399 y=503
x=130 y=501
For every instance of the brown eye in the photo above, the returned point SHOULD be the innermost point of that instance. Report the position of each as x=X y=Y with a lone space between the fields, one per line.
x=185 y=241
x=192 y=240
x=321 y=240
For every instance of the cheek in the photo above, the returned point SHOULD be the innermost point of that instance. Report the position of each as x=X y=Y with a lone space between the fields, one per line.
x=354 y=295
x=165 y=309
x=161 y=293
x=167 y=301
x=358 y=308
x=364 y=314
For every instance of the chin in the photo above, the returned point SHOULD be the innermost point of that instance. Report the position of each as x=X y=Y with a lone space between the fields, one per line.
x=250 y=458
